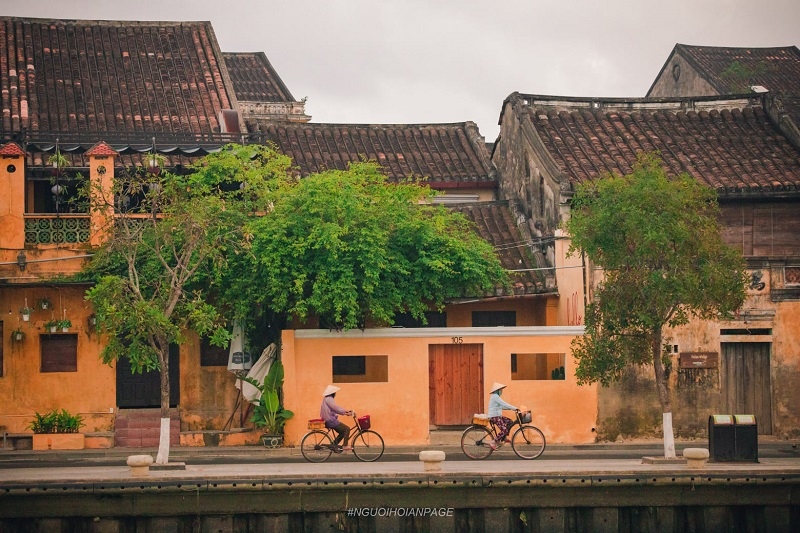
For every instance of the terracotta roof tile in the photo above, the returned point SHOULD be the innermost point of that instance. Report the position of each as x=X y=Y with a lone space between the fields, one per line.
x=101 y=148
x=735 y=70
x=80 y=75
x=730 y=145
x=254 y=79
x=11 y=148
x=442 y=153
x=494 y=222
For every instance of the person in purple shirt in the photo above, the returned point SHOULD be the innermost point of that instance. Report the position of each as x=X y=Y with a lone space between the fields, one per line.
x=329 y=412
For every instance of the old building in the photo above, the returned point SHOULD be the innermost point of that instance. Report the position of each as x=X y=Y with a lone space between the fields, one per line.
x=742 y=148
x=96 y=96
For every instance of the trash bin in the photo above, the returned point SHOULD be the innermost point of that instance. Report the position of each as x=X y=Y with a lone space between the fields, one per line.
x=721 y=438
x=746 y=430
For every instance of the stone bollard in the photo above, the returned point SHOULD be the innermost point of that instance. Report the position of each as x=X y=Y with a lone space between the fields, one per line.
x=140 y=465
x=695 y=457
x=432 y=459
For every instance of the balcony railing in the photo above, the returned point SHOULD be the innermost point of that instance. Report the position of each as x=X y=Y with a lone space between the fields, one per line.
x=57 y=229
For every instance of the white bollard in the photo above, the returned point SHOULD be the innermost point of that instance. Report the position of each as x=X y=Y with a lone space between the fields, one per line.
x=140 y=465
x=695 y=457
x=432 y=459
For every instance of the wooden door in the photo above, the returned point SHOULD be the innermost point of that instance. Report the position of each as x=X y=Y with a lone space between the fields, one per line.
x=456 y=383
x=746 y=381
x=144 y=390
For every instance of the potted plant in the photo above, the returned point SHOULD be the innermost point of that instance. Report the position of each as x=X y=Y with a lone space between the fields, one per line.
x=64 y=324
x=17 y=335
x=25 y=312
x=52 y=325
x=57 y=430
x=269 y=413
x=58 y=162
x=44 y=304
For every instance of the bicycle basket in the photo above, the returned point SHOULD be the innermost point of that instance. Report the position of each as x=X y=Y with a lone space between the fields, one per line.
x=363 y=422
x=525 y=417
x=316 y=423
x=480 y=420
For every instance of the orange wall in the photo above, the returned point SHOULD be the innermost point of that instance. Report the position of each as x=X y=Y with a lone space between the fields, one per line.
x=25 y=390
x=400 y=407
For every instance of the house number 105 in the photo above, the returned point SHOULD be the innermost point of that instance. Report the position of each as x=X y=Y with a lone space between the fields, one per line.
x=458 y=340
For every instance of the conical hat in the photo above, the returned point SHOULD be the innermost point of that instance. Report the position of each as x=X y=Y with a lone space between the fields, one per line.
x=496 y=387
x=330 y=389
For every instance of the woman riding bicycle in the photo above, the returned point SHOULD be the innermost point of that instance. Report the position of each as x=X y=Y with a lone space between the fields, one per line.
x=328 y=411
x=496 y=406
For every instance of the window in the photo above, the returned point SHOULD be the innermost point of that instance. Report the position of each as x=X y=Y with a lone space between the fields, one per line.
x=792 y=275
x=493 y=318
x=360 y=368
x=538 y=366
x=59 y=353
x=211 y=355
x=434 y=320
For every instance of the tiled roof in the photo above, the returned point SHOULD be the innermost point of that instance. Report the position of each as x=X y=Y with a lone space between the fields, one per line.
x=495 y=224
x=121 y=76
x=101 y=148
x=11 y=149
x=730 y=145
x=254 y=79
x=445 y=154
x=735 y=70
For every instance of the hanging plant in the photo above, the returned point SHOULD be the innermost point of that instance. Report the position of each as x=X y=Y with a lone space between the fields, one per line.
x=17 y=335
x=58 y=162
x=52 y=325
x=64 y=324
x=25 y=311
x=44 y=304
x=155 y=162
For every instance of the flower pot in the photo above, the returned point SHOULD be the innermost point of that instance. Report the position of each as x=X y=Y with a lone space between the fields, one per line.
x=53 y=329
x=65 y=330
x=18 y=336
x=272 y=441
x=44 y=306
x=58 y=441
x=26 y=317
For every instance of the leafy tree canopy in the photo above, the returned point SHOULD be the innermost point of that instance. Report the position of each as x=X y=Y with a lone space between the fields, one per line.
x=658 y=242
x=152 y=273
x=351 y=248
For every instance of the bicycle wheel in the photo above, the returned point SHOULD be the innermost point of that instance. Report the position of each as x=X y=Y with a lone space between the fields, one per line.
x=316 y=446
x=475 y=442
x=528 y=442
x=368 y=446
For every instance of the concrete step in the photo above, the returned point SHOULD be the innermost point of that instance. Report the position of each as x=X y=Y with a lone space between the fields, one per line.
x=446 y=437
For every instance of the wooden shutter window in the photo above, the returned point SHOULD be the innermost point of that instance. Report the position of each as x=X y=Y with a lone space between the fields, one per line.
x=59 y=353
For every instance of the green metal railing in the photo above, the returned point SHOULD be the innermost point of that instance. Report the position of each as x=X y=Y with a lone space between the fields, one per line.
x=52 y=229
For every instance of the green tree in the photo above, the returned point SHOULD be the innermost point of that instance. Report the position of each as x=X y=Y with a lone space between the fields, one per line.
x=353 y=249
x=169 y=232
x=658 y=242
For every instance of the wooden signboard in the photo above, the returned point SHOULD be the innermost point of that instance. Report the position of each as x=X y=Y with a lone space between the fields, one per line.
x=699 y=359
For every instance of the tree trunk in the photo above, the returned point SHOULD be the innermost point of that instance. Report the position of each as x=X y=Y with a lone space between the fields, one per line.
x=163 y=441
x=663 y=397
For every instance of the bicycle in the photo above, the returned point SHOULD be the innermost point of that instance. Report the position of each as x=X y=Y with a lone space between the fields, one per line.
x=317 y=445
x=527 y=441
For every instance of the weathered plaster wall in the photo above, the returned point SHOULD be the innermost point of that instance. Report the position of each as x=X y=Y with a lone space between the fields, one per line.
x=208 y=393
x=400 y=408
x=683 y=81
x=24 y=389
x=530 y=311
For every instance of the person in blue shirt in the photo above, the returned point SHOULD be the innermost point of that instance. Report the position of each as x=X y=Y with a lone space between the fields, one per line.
x=329 y=412
x=496 y=406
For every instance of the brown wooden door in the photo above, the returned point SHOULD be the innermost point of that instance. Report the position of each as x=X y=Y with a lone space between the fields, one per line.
x=456 y=383
x=746 y=381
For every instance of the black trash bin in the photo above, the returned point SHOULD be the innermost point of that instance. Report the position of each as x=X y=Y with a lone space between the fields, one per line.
x=746 y=430
x=721 y=438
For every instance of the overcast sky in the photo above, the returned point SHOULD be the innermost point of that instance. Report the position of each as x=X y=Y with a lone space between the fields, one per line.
x=415 y=61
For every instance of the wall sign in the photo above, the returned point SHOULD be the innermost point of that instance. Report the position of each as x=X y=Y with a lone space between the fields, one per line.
x=699 y=359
